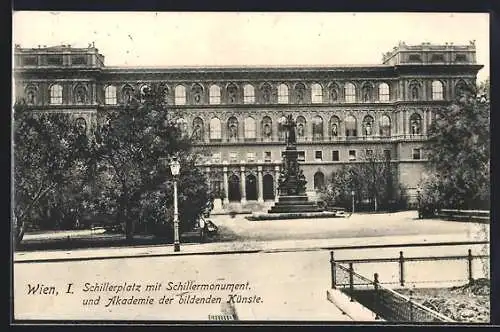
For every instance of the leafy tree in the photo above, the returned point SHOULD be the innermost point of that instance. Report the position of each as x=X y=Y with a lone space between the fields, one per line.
x=129 y=144
x=370 y=179
x=48 y=150
x=458 y=152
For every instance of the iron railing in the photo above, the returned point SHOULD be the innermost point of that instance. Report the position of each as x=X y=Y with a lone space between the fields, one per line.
x=387 y=303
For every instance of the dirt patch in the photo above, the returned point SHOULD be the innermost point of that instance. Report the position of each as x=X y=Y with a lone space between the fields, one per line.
x=468 y=303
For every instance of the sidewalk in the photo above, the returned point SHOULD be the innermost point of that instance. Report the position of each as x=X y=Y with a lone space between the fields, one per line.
x=245 y=247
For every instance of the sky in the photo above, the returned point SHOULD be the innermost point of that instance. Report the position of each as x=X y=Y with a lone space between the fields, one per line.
x=244 y=38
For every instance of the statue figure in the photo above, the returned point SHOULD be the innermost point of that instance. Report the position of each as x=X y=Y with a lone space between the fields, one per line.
x=334 y=95
x=80 y=96
x=414 y=92
x=290 y=127
x=300 y=130
x=368 y=129
x=232 y=130
x=415 y=128
x=267 y=130
x=31 y=97
x=197 y=132
x=334 y=130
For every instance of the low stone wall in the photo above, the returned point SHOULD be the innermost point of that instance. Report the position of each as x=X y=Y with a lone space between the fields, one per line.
x=482 y=216
x=354 y=310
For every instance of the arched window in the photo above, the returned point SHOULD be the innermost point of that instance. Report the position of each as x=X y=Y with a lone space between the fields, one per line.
x=248 y=94
x=197 y=129
x=30 y=93
x=437 y=90
x=56 y=94
x=367 y=125
x=385 y=126
x=281 y=128
x=415 y=124
x=232 y=92
x=383 y=92
x=350 y=93
x=317 y=128
x=351 y=126
x=110 y=95
x=232 y=128
x=301 y=127
x=267 y=128
x=319 y=180
x=249 y=128
x=334 y=126
x=214 y=92
x=197 y=93
x=316 y=93
x=282 y=94
x=180 y=95
x=215 y=129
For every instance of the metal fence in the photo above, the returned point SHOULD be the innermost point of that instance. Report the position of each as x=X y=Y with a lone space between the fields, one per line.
x=387 y=303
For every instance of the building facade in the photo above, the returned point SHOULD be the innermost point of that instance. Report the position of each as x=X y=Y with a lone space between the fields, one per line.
x=235 y=114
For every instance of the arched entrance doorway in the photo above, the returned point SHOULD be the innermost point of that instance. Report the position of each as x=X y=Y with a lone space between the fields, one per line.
x=268 y=187
x=251 y=187
x=319 y=181
x=234 y=194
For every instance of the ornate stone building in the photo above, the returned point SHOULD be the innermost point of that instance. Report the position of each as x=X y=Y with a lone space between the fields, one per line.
x=235 y=114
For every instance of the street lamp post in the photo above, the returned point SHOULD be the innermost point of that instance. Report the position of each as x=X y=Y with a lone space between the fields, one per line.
x=420 y=216
x=175 y=167
x=352 y=195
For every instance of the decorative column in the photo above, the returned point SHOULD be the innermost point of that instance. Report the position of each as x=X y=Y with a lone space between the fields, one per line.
x=94 y=99
x=226 y=184
x=243 y=185
x=309 y=130
x=405 y=122
x=424 y=128
x=276 y=182
x=275 y=126
x=326 y=132
x=260 y=197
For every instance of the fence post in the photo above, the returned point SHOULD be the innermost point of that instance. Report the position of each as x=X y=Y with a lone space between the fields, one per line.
x=401 y=269
x=469 y=266
x=351 y=281
x=375 y=295
x=333 y=267
x=411 y=305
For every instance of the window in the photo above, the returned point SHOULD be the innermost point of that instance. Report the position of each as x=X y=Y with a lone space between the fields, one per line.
x=249 y=128
x=56 y=94
x=383 y=92
x=437 y=90
x=250 y=157
x=335 y=155
x=385 y=126
x=319 y=180
x=30 y=60
x=233 y=157
x=248 y=94
x=78 y=60
x=301 y=156
x=351 y=126
x=352 y=155
x=437 y=58
x=30 y=93
x=316 y=93
x=416 y=154
x=387 y=154
x=215 y=129
x=317 y=128
x=214 y=93
x=369 y=153
x=54 y=60
x=461 y=58
x=180 y=95
x=232 y=93
x=267 y=156
x=110 y=95
x=318 y=155
x=350 y=93
x=216 y=158
x=282 y=94
x=414 y=58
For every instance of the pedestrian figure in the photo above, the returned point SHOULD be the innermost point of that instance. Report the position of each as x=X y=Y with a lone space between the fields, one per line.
x=202 y=226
